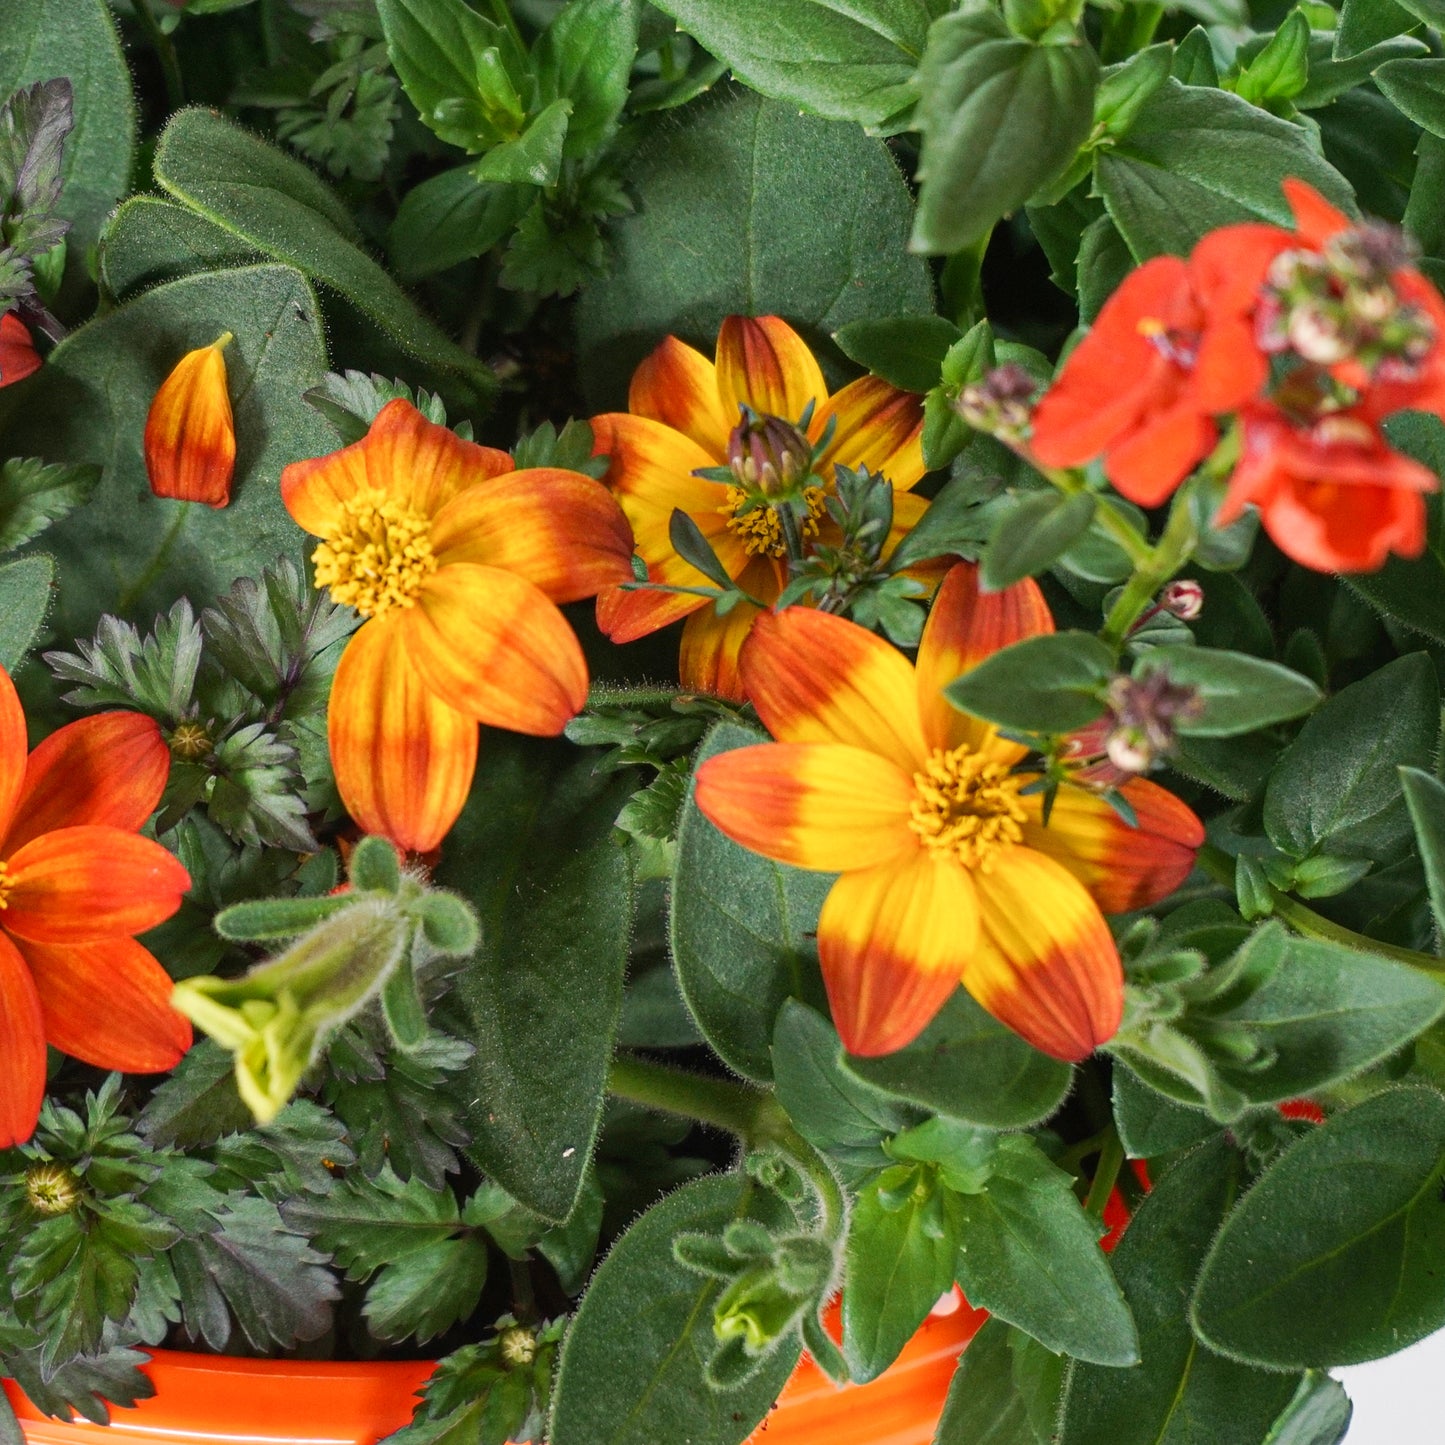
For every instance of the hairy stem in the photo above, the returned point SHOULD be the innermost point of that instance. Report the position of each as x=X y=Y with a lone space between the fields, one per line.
x=165 y=53
x=734 y=1107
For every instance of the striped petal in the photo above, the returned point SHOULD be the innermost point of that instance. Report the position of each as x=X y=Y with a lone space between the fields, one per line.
x=404 y=759
x=78 y=885
x=814 y=805
x=190 y=435
x=876 y=426
x=560 y=530
x=22 y=1048
x=108 y=1004
x=966 y=625
x=711 y=646
x=1046 y=964
x=816 y=678
x=893 y=941
x=12 y=750
x=677 y=386
x=491 y=645
x=109 y=770
x=763 y=363
x=1123 y=867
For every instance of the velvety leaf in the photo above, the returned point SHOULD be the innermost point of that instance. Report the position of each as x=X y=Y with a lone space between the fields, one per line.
x=450 y=218
x=1239 y=693
x=150 y=240
x=906 y=350
x=1414 y=86
x=995 y=1397
x=25 y=594
x=1151 y=1123
x=1425 y=797
x=1048 y=684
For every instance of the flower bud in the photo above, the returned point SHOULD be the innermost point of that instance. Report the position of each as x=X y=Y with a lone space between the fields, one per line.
x=51 y=1189
x=1001 y=404
x=18 y=356
x=190 y=436
x=1145 y=712
x=757 y=1308
x=1183 y=599
x=769 y=455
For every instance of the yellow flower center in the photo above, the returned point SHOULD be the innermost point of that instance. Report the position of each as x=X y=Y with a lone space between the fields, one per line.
x=759 y=527
x=967 y=806
x=377 y=556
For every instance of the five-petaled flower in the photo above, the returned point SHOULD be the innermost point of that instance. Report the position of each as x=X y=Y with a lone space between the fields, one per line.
x=77 y=883
x=688 y=414
x=949 y=872
x=457 y=561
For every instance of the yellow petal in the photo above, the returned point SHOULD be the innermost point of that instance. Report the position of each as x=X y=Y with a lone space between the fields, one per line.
x=677 y=386
x=875 y=426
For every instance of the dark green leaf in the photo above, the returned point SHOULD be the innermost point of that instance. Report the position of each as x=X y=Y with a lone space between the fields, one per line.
x=33 y=494
x=1331 y=78
x=1425 y=797
x=1049 y=684
x=197 y=1102
x=1319 y=1414
x=1033 y=535
x=1415 y=87
x=150 y=240
x=585 y=57
x=426 y=1292
x=450 y=218
x=1151 y=1123
x=995 y=1398
x=25 y=595
x=906 y=350
x=1240 y=693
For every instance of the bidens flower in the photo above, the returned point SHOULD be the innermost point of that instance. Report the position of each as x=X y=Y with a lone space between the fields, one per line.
x=949 y=873
x=76 y=883
x=758 y=411
x=190 y=436
x=458 y=562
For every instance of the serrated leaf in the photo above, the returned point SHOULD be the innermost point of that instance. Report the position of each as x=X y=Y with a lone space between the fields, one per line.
x=33 y=494
x=197 y=1102
x=426 y=1291
x=121 y=668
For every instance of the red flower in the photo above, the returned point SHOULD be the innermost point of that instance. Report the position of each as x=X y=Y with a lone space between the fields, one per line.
x=18 y=356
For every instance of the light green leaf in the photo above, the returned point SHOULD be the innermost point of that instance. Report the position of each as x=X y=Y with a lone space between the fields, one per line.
x=585 y=57
x=534 y=157
x=25 y=592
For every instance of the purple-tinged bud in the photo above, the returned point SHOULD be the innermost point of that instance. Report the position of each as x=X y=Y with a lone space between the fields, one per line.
x=1002 y=403
x=1183 y=599
x=768 y=455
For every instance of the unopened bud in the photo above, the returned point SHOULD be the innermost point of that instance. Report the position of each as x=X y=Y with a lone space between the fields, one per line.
x=757 y=1308
x=768 y=455
x=1183 y=599
x=518 y=1346
x=190 y=741
x=1002 y=403
x=190 y=435
x=1145 y=713
x=51 y=1189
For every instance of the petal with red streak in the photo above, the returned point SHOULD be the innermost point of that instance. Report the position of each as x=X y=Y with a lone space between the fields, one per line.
x=190 y=435
x=404 y=759
x=108 y=1004
x=876 y=426
x=893 y=940
x=677 y=386
x=708 y=658
x=22 y=1048
x=814 y=805
x=763 y=363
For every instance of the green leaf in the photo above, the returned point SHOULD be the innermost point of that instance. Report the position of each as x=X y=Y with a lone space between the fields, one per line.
x=25 y=593
x=1336 y=788
x=88 y=1384
x=150 y=240
x=1280 y=70
x=1033 y=534
x=664 y=1311
x=534 y=853
x=1319 y=1414
x=534 y=157
x=1330 y=78
x=1124 y=88
x=34 y=125
x=451 y=218
x=33 y=494
x=1049 y=684
x=585 y=57
x=197 y=1102
x=1414 y=87
x=1334 y=1257
x=1425 y=798
x=1000 y=117
x=1181 y=1393
x=800 y=218
x=428 y=1291
x=906 y=350
x=742 y=930
x=1240 y=693
x=1001 y=1394
x=1197 y=159
x=1151 y=1123
x=844 y=61
x=968 y=1066
x=274 y=203
x=254 y=793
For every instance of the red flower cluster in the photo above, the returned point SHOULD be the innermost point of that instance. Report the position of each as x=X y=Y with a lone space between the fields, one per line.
x=1310 y=337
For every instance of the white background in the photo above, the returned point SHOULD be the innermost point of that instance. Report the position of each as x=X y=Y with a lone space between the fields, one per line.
x=1400 y=1400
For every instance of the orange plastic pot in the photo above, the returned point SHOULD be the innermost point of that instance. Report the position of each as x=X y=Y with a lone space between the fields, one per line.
x=208 y=1398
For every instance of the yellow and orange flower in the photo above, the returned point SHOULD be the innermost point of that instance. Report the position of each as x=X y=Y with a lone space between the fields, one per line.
x=682 y=412
x=76 y=883
x=458 y=561
x=190 y=435
x=949 y=872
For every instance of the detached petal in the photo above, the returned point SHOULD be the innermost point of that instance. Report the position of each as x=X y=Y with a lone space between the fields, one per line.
x=877 y=426
x=79 y=885
x=1123 y=867
x=18 y=356
x=893 y=941
x=814 y=805
x=108 y=1004
x=677 y=386
x=22 y=1048
x=12 y=750
x=1046 y=964
x=190 y=436
x=109 y=770
x=491 y=645
x=560 y=530
x=816 y=678
x=404 y=759
x=763 y=362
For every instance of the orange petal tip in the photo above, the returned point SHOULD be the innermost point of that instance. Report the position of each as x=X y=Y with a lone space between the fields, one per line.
x=190 y=434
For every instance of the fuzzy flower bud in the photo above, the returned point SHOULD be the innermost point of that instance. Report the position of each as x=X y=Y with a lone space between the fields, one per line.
x=1001 y=404
x=518 y=1346
x=768 y=455
x=51 y=1189
x=1183 y=599
x=190 y=435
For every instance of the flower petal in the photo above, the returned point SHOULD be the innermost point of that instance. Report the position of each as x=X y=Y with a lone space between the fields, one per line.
x=491 y=645
x=1123 y=867
x=711 y=646
x=560 y=530
x=1046 y=964
x=80 y=884
x=1314 y=218
x=404 y=759
x=816 y=678
x=966 y=625
x=18 y=356
x=108 y=1004
x=1150 y=462
x=893 y=941
x=763 y=363
x=12 y=750
x=109 y=769
x=878 y=427
x=22 y=1048
x=815 y=805
x=677 y=386
x=190 y=435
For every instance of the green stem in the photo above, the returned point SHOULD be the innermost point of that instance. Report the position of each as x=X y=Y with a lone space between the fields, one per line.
x=726 y=1105
x=165 y=53
x=960 y=285
x=1165 y=559
x=1111 y=1161
x=1122 y=531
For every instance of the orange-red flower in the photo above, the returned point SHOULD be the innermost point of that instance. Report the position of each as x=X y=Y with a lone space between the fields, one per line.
x=683 y=410
x=76 y=883
x=949 y=872
x=190 y=436
x=458 y=561
x=18 y=356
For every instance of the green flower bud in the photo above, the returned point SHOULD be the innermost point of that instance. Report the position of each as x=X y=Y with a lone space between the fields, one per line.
x=757 y=1308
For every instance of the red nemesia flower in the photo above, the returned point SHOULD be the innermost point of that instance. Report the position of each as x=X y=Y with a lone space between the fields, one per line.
x=18 y=356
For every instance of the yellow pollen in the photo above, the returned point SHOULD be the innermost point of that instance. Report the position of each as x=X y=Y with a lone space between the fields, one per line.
x=759 y=527
x=6 y=884
x=377 y=557
x=967 y=806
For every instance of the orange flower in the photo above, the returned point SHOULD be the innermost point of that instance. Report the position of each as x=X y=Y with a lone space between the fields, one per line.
x=683 y=415
x=949 y=873
x=76 y=883
x=190 y=437
x=458 y=562
x=18 y=356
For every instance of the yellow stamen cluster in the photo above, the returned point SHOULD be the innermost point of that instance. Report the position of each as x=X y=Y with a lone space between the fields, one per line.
x=968 y=806
x=759 y=527
x=377 y=557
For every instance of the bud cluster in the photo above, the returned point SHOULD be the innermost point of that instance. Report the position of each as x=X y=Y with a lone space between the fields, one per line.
x=1001 y=404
